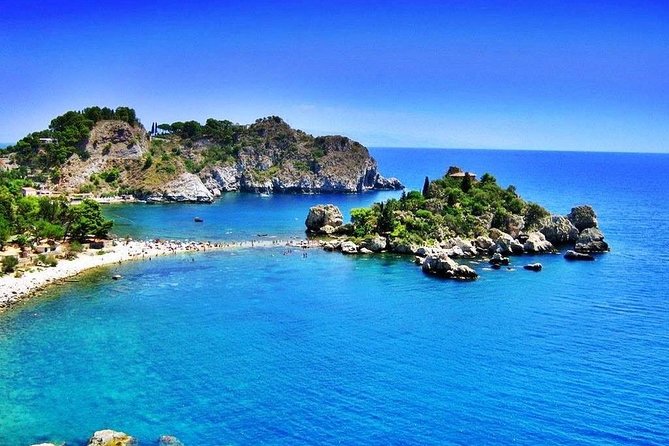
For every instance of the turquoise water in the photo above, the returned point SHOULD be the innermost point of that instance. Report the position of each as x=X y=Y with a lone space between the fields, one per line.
x=267 y=347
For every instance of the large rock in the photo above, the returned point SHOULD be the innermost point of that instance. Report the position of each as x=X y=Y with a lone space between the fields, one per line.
x=514 y=225
x=323 y=215
x=349 y=247
x=483 y=243
x=559 y=230
x=591 y=240
x=573 y=255
x=444 y=266
x=187 y=187
x=583 y=217
x=376 y=243
x=536 y=243
x=108 y=437
x=461 y=247
x=507 y=245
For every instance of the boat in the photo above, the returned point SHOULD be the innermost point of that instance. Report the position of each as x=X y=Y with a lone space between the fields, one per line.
x=198 y=219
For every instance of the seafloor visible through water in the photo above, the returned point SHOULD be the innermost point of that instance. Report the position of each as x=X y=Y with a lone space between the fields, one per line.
x=265 y=346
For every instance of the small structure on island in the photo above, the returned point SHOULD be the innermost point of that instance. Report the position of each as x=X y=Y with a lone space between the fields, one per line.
x=28 y=191
x=456 y=172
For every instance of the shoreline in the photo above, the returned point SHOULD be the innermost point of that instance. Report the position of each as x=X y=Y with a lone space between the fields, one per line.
x=14 y=290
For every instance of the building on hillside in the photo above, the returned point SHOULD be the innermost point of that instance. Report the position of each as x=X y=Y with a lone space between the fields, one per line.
x=28 y=191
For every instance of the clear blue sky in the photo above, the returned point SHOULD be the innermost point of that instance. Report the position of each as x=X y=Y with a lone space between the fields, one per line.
x=564 y=75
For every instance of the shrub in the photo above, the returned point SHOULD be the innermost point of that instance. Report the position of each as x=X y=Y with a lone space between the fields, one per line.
x=9 y=264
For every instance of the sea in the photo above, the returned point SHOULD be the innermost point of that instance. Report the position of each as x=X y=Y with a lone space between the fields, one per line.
x=279 y=346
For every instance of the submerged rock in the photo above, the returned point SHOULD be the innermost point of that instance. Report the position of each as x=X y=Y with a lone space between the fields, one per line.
x=108 y=437
x=169 y=440
x=573 y=255
x=533 y=267
x=443 y=266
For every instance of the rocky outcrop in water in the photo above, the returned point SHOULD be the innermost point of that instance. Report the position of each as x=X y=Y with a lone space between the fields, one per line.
x=324 y=219
x=108 y=437
x=559 y=230
x=583 y=217
x=591 y=240
x=443 y=266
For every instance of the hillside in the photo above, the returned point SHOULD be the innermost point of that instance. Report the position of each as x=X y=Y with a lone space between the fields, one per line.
x=112 y=154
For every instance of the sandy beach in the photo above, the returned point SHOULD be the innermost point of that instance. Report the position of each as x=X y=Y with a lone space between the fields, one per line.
x=15 y=289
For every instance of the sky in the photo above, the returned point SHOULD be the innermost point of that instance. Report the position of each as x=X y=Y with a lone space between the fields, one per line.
x=550 y=75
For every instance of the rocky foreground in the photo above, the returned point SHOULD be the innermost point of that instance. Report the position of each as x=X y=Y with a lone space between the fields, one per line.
x=108 y=437
x=578 y=232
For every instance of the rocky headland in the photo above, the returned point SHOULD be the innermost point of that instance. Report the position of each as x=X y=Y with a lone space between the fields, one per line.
x=109 y=153
x=457 y=218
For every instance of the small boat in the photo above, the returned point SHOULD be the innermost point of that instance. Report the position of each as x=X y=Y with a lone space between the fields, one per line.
x=198 y=219
x=262 y=235
x=116 y=276
x=265 y=195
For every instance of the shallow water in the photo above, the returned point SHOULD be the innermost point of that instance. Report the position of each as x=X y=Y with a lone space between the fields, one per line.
x=265 y=346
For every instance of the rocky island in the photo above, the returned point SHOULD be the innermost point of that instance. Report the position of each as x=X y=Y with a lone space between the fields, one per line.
x=105 y=152
x=459 y=217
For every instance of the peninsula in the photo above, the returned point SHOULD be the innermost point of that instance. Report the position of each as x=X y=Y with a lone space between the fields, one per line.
x=100 y=152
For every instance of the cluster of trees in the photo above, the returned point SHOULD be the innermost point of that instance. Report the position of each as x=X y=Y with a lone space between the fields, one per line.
x=30 y=218
x=446 y=207
x=67 y=134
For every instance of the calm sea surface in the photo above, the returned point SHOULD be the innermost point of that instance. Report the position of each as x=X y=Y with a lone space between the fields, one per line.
x=265 y=346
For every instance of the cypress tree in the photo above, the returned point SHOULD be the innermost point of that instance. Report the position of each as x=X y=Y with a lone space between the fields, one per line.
x=426 y=188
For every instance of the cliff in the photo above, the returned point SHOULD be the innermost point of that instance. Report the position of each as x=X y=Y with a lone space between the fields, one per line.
x=194 y=162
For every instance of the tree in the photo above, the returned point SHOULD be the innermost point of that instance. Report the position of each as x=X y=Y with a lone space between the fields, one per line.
x=5 y=232
x=86 y=219
x=466 y=183
x=426 y=188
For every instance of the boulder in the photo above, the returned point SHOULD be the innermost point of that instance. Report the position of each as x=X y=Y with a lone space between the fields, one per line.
x=328 y=247
x=187 y=187
x=536 y=243
x=591 y=240
x=349 y=247
x=559 y=230
x=515 y=224
x=461 y=247
x=327 y=229
x=498 y=259
x=402 y=247
x=583 y=217
x=169 y=440
x=533 y=267
x=483 y=243
x=573 y=255
x=364 y=250
x=375 y=243
x=425 y=251
x=323 y=215
x=108 y=437
x=507 y=245
x=444 y=266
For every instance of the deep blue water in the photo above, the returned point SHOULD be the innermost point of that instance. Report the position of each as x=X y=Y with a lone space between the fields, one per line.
x=258 y=347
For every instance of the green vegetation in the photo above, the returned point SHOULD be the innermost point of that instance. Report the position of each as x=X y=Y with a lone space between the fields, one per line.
x=446 y=208
x=67 y=135
x=31 y=218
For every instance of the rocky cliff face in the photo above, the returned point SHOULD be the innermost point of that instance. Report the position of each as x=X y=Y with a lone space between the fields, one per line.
x=267 y=156
x=284 y=160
